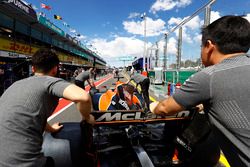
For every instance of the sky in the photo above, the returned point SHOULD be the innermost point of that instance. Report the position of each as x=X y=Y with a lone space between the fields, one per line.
x=115 y=29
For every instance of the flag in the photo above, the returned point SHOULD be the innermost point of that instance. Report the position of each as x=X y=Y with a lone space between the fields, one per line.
x=45 y=6
x=143 y=15
x=42 y=14
x=65 y=24
x=72 y=30
x=57 y=17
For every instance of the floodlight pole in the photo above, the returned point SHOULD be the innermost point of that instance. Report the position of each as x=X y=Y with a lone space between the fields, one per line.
x=156 y=54
x=145 y=41
x=207 y=15
x=178 y=58
x=165 y=53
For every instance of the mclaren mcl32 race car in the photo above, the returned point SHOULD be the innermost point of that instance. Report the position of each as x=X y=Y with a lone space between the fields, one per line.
x=127 y=135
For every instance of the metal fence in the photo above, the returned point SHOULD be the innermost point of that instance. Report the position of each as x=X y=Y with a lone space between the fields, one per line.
x=178 y=50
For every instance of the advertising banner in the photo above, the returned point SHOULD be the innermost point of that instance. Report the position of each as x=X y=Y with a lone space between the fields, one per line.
x=51 y=26
x=12 y=54
x=17 y=47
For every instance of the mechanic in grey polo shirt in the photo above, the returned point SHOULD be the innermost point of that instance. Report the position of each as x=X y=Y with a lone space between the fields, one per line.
x=144 y=82
x=222 y=87
x=25 y=107
x=85 y=76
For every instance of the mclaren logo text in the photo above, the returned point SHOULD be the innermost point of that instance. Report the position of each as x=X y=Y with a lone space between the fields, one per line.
x=127 y=116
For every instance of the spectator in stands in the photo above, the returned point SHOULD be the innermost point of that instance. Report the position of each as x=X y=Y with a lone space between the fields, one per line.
x=25 y=107
x=85 y=76
x=144 y=82
x=222 y=87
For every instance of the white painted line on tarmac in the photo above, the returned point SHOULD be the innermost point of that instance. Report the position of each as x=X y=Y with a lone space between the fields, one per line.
x=67 y=106
x=59 y=112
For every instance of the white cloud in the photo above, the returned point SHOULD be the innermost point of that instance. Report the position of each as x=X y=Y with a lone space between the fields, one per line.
x=183 y=3
x=81 y=37
x=197 y=38
x=195 y=23
x=247 y=17
x=106 y=24
x=174 y=20
x=134 y=15
x=214 y=16
x=153 y=27
x=120 y=46
x=188 y=29
x=171 y=48
x=163 y=5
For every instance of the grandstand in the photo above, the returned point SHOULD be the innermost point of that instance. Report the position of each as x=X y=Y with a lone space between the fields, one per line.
x=23 y=32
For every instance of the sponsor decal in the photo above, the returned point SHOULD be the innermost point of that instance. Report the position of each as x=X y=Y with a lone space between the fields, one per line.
x=124 y=104
x=12 y=54
x=17 y=47
x=130 y=115
x=183 y=144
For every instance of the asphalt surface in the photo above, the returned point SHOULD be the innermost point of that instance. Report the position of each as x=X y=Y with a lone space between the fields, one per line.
x=71 y=114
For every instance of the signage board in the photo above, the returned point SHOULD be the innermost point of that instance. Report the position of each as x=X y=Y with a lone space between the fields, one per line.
x=47 y=23
x=126 y=58
x=17 y=47
x=23 y=7
x=12 y=54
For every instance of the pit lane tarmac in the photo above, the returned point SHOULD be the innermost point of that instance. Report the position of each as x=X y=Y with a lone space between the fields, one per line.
x=66 y=110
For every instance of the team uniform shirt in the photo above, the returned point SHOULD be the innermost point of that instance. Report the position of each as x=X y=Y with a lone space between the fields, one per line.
x=224 y=91
x=138 y=78
x=83 y=76
x=24 y=109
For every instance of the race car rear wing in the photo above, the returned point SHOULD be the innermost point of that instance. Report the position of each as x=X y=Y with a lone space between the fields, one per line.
x=135 y=116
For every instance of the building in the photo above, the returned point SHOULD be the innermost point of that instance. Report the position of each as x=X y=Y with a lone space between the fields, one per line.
x=23 y=32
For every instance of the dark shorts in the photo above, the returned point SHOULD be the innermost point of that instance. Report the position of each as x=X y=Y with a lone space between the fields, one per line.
x=80 y=84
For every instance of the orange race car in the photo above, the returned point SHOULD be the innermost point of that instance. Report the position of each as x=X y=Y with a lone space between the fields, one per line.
x=122 y=97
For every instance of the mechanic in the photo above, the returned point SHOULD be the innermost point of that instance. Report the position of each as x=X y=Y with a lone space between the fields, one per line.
x=144 y=82
x=25 y=107
x=222 y=87
x=85 y=76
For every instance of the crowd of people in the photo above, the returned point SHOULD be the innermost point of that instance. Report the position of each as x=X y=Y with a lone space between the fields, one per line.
x=221 y=87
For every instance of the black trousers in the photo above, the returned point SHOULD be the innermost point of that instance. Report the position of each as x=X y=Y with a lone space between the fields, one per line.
x=144 y=89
